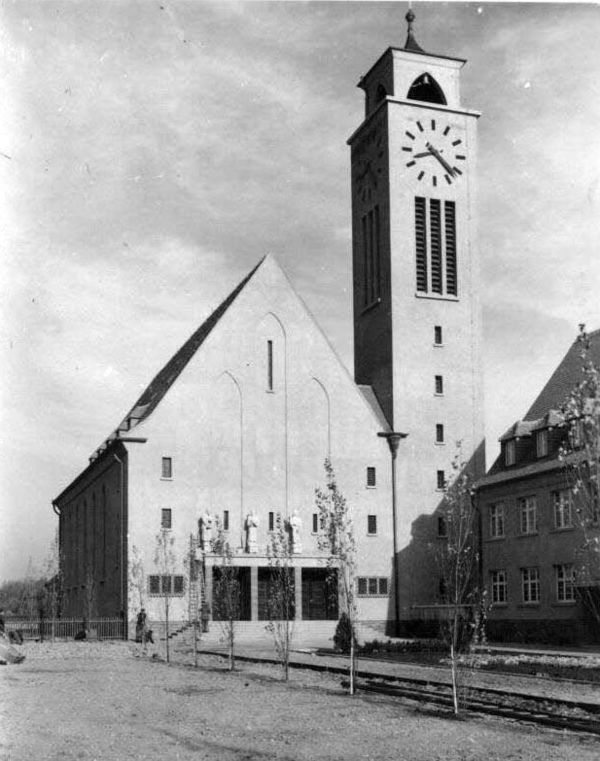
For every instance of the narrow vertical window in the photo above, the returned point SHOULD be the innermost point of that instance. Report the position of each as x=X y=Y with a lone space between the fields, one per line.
x=439 y=433
x=421 y=241
x=541 y=443
x=441 y=479
x=442 y=528
x=439 y=384
x=371 y=253
x=450 y=233
x=437 y=335
x=371 y=524
x=315 y=523
x=271 y=521
x=165 y=518
x=510 y=453
x=371 y=477
x=167 y=467
x=270 y=365
x=435 y=224
x=225 y=520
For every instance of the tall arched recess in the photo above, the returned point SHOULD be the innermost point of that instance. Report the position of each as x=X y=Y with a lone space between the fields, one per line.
x=425 y=88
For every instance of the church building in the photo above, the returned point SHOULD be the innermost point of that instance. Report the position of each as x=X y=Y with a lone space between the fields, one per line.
x=234 y=431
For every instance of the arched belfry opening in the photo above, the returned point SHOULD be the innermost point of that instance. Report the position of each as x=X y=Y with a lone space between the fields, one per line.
x=426 y=88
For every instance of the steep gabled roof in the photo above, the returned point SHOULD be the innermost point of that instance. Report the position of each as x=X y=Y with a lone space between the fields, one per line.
x=163 y=381
x=564 y=379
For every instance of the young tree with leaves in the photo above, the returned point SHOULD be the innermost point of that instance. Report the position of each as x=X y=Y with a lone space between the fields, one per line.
x=337 y=540
x=580 y=456
x=457 y=555
x=164 y=560
x=226 y=593
x=281 y=593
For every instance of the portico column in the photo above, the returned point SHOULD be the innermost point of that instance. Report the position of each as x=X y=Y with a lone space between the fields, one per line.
x=254 y=593
x=298 y=593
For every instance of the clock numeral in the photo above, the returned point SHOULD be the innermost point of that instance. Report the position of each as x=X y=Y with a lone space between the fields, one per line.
x=433 y=124
x=448 y=180
x=456 y=170
x=411 y=163
x=461 y=158
x=409 y=134
x=446 y=130
x=407 y=149
x=421 y=175
x=457 y=142
x=420 y=126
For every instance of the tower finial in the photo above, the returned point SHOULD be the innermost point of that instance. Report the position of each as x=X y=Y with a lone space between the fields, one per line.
x=411 y=43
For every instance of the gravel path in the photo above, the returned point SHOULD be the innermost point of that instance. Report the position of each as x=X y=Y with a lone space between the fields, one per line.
x=98 y=701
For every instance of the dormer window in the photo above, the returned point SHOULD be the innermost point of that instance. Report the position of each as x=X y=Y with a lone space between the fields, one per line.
x=426 y=88
x=510 y=452
x=541 y=443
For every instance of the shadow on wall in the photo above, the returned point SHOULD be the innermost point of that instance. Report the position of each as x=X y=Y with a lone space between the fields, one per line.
x=419 y=576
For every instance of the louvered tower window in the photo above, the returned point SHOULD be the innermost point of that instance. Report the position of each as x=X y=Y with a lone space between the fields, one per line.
x=371 y=252
x=435 y=244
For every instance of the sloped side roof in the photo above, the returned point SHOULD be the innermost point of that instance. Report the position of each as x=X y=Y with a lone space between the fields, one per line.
x=566 y=376
x=171 y=371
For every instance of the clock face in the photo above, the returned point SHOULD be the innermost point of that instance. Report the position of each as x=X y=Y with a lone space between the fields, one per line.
x=435 y=151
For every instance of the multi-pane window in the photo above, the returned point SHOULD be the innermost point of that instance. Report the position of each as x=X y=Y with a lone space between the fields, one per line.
x=371 y=477
x=372 y=258
x=439 y=433
x=371 y=524
x=437 y=335
x=441 y=479
x=528 y=513
x=225 y=520
x=435 y=240
x=271 y=521
x=167 y=467
x=165 y=585
x=372 y=586
x=315 y=523
x=563 y=515
x=510 y=452
x=165 y=517
x=439 y=384
x=541 y=443
x=499 y=586
x=565 y=582
x=530 y=584
x=497 y=520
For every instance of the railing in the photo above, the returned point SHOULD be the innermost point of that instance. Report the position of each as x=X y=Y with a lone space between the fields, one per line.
x=66 y=628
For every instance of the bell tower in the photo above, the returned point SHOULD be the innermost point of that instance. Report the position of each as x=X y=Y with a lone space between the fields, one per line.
x=417 y=327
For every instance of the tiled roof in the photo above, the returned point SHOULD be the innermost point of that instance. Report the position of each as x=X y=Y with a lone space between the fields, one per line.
x=566 y=376
x=531 y=469
x=171 y=371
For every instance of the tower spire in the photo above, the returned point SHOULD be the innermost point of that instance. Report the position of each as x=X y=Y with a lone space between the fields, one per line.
x=411 y=43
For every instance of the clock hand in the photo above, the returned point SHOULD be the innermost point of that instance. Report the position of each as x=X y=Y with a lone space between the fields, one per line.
x=420 y=155
x=440 y=158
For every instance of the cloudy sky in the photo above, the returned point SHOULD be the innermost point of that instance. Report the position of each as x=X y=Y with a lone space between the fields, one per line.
x=152 y=152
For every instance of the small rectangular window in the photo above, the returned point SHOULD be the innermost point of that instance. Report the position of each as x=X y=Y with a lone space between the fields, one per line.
x=371 y=524
x=437 y=335
x=563 y=517
x=510 y=452
x=442 y=526
x=167 y=467
x=165 y=518
x=373 y=587
x=497 y=520
x=499 y=586
x=528 y=510
x=362 y=585
x=530 y=584
x=439 y=433
x=270 y=365
x=154 y=585
x=439 y=384
x=315 y=523
x=271 y=521
x=383 y=586
x=225 y=520
x=541 y=443
x=166 y=585
x=441 y=479
x=565 y=583
x=371 y=477
x=178 y=585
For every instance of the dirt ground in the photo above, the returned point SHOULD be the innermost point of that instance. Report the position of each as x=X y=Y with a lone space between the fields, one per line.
x=90 y=700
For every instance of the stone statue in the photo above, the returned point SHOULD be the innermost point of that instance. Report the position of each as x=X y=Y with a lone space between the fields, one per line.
x=205 y=526
x=295 y=526
x=251 y=532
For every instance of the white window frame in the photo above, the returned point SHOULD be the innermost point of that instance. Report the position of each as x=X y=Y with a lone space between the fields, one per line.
x=528 y=521
x=563 y=509
x=497 y=520
x=499 y=586
x=530 y=585
x=565 y=582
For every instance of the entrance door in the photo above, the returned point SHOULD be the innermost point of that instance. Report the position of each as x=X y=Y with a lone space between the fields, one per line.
x=319 y=594
x=231 y=593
